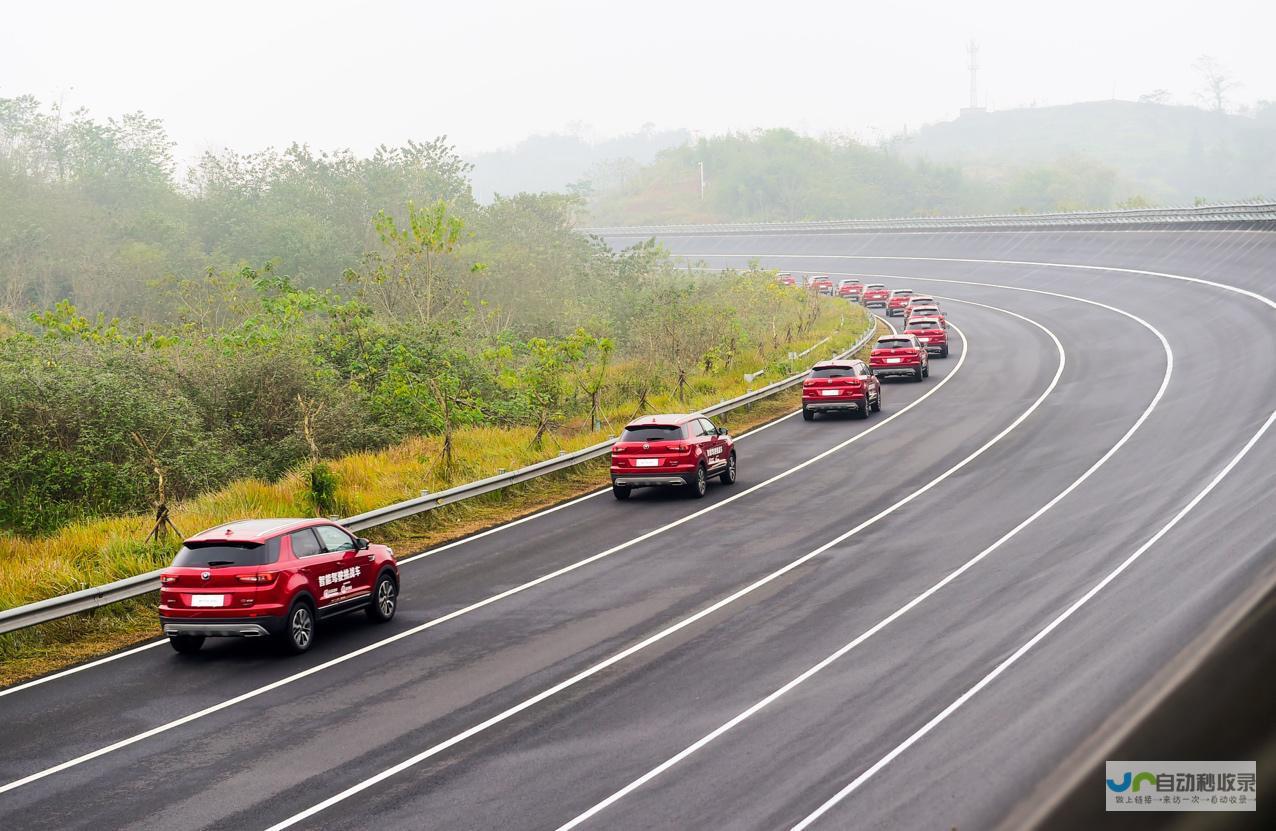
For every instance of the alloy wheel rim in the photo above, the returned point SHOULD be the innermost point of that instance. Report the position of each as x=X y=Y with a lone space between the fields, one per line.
x=301 y=626
x=385 y=598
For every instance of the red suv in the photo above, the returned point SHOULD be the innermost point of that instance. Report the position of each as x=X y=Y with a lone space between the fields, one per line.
x=899 y=355
x=851 y=289
x=821 y=283
x=898 y=302
x=930 y=333
x=786 y=279
x=273 y=577
x=839 y=386
x=671 y=451
x=875 y=294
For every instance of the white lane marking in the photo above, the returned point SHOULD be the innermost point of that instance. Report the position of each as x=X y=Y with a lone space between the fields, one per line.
x=73 y=670
x=951 y=576
x=687 y=621
x=496 y=529
x=1037 y=638
x=340 y=659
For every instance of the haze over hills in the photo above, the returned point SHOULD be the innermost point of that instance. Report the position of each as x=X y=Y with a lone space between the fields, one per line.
x=1167 y=154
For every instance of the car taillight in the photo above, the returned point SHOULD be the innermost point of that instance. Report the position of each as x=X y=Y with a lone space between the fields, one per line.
x=256 y=579
x=168 y=579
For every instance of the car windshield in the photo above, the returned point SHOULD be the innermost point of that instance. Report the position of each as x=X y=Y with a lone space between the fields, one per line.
x=216 y=554
x=894 y=343
x=832 y=372
x=652 y=432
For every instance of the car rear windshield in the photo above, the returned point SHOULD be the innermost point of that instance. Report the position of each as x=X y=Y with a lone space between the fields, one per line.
x=215 y=554
x=652 y=432
x=832 y=372
x=923 y=324
x=897 y=343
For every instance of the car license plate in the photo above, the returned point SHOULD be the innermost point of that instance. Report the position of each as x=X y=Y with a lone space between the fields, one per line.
x=893 y=360
x=828 y=392
x=207 y=600
x=647 y=462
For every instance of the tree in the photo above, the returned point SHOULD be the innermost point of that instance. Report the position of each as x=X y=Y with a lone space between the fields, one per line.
x=1216 y=83
x=1156 y=96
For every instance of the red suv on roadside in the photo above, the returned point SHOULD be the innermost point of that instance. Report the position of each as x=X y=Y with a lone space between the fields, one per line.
x=786 y=279
x=930 y=333
x=273 y=578
x=840 y=386
x=681 y=450
x=875 y=294
x=899 y=355
x=898 y=302
x=820 y=283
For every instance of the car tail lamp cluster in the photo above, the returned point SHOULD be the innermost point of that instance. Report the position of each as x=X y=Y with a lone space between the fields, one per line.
x=168 y=579
x=257 y=579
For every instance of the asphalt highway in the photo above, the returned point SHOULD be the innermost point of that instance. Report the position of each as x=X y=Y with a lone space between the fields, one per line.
x=904 y=622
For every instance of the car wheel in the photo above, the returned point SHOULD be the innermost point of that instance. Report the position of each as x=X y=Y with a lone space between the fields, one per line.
x=917 y=375
x=186 y=644
x=621 y=493
x=728 y=475
x=698 y=485
x=299 y=628
x=943 y=353
x=807 y=414
x=385 y=600
x=862 y=412
x=877 y=402
x=926 y=371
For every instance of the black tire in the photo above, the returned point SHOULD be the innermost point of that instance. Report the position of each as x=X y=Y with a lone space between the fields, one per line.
x=943 y=353
x=186 y=644
x=862 y=412
x=877 y=402
x=926 y=370
x=727 y=477
x=621 y=493
x=385 y=599
x=807 y=414
x=699 y=484
x=298 y=634
x=918 y=376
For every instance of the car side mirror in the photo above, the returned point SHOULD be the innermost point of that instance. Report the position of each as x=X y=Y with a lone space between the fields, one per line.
x=361 y=544
x=722 y=431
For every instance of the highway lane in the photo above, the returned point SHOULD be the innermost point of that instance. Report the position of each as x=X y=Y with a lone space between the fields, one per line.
x=548 y=763
x=603 y=592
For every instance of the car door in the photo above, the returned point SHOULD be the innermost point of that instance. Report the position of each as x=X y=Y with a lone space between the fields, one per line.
x=353 y=564
x=872 y=386
x=318 y=565
x=713 y=443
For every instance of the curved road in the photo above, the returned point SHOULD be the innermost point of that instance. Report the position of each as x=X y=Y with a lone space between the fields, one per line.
x=904 y=622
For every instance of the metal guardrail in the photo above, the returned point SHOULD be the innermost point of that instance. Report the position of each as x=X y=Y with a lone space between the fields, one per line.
x=43 y=611
x=1252 y=213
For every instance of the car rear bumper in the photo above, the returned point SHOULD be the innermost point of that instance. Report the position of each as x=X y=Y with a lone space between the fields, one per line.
x=820 y=405
x=256 y=627
x=903 y=369
x=651 y=480
x=881 y=304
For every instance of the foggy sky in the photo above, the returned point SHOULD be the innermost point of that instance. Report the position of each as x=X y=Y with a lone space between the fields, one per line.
x=253 y=74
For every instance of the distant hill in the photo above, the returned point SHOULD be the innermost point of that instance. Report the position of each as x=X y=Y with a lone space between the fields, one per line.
x=1167 y=154
x=554 y=162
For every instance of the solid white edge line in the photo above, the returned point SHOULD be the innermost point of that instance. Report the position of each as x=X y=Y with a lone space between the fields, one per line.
x=902 y=610
x=1037 y=638
x=687 y=621
x=372 y=647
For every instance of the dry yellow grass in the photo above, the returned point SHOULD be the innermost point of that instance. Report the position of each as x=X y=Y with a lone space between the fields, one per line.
x=98 y=551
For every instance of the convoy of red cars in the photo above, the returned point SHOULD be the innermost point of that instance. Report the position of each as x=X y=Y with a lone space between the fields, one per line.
x=277 y=578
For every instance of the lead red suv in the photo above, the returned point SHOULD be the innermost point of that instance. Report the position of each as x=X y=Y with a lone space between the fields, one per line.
x=851 y=289
x=899 y=355
x=840 y=386
x=273 y=577
x=681 y=450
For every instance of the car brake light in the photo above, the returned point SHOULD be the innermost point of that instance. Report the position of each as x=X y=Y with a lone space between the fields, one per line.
x=168 y=579
x=256 y=579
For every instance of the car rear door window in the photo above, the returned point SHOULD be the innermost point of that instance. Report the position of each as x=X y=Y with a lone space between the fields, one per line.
x=217 y=554
x=305 y=543
x=333 y=538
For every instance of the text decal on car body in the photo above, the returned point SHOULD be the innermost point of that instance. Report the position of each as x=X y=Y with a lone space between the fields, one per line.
x=340 y=576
